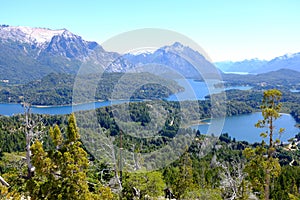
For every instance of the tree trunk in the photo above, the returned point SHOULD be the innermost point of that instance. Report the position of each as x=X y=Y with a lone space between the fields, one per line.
x=270 y=155
x=28 y=137
x=267 y=185
x=28 y=160
x=271 y=128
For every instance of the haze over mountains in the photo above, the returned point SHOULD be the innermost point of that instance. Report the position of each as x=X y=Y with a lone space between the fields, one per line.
x=28 y=54
x=256 y=66
x=245 y=66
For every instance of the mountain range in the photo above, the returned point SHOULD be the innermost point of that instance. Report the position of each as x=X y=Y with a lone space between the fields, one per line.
x=245 y=66
x=177 y=59
x=256 y=66
x=28 y=54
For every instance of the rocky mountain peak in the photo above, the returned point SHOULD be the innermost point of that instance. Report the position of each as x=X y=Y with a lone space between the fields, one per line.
x=29 y=35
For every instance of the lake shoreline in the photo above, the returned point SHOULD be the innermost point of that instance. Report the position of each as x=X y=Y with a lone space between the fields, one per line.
x=234 y=126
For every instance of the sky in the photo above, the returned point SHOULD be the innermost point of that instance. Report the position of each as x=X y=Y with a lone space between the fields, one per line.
x=225 y=29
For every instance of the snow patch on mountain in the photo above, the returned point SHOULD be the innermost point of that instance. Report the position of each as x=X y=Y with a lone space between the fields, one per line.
x=142 y=51
x=30 y=35
x=176 y=47
x=288 y=56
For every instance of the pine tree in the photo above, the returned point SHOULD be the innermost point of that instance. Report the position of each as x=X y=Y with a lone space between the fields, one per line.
x=262 y=168
x=184 y=182
x=270 y=109
x=62 y=173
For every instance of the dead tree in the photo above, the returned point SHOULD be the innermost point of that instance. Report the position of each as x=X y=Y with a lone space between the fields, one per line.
x=136 y=159
x=233 y=181
x=109 y=153
x=32 y=131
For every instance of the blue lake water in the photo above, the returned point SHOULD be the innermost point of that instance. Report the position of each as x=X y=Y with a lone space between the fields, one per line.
x=196 y=90
x=11 y=109
x=242 y=127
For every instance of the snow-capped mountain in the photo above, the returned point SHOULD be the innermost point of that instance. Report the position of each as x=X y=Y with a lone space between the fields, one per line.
x=38 y=36
x=61 y=42
x=31 y=53
x=287 y=61
x=176 y=59
x=256 y=66
x=245 y=66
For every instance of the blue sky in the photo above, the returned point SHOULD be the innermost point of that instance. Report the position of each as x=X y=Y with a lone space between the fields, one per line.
x=225 y=29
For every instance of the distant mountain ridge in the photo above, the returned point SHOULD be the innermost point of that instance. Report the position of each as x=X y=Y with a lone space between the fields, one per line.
x=288 y=61
x=246 y=66
x=256 y=66
x=28 y=54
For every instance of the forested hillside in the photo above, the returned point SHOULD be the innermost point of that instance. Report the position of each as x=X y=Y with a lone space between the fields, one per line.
x=57 y=89
x=84 y=163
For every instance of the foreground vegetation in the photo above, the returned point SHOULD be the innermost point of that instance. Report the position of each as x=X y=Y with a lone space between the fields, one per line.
x=67 y=165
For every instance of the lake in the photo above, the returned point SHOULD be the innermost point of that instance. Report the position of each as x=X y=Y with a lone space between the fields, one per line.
x=196 y=90
x=241 y=127
x=11 y=109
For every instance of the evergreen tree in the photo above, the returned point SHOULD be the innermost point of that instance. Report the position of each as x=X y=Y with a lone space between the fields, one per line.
x=184 y=181
x=61 y=173
x=260 y=167
x=140 y=184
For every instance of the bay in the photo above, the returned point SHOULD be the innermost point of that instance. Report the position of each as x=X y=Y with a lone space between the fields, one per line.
x=197 y=90
x=12 y=109
x=241 y=127
x=194 y=90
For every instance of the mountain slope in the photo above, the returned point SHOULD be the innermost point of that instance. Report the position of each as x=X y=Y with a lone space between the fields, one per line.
x=283 y=79
x=28 y=54
x=245 y=66
x=174 y=59
x=288 y=61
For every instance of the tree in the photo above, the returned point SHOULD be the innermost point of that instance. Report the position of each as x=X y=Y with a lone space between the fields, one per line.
x=7 y=193
x=61 y=173
x=233 y=183
x=255 y=169
x=32 y=131
x=110 y=155
x=184 y=182
x=270 y=109
x=287 y=185
x=140 y=184
x=267 y=165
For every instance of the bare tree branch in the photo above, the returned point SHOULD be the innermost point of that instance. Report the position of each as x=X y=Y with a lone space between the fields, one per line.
x=3 y=182
x=32 y=131
x=233 y=178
